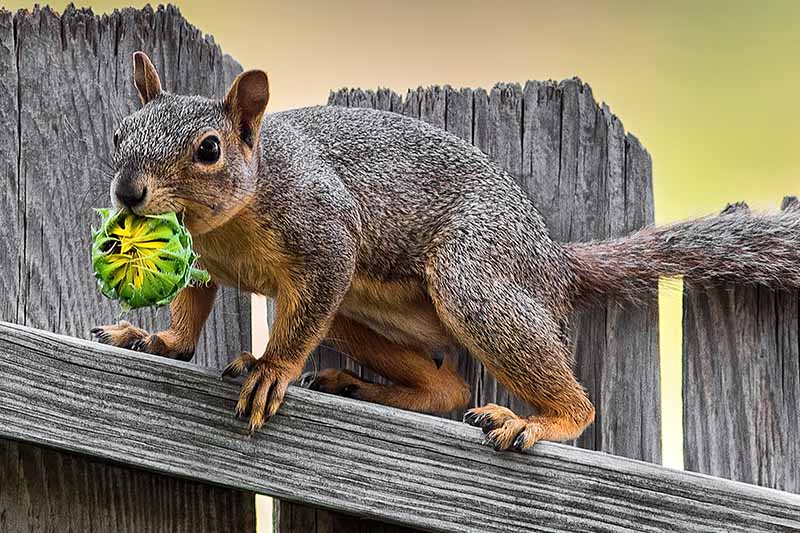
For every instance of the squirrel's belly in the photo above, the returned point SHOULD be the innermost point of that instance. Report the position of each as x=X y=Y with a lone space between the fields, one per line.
x=400 y=311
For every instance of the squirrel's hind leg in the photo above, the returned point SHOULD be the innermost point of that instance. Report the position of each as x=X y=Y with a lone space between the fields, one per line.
x=419 y=383
x=520 y=343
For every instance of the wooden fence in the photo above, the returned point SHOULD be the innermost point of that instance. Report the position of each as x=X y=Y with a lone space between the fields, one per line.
x=361 y=458
x=741 y=383
x=84 y=419
x=64 y=83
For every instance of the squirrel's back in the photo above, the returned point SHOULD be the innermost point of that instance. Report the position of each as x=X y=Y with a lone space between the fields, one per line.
x=387 y=150
x=413 y=182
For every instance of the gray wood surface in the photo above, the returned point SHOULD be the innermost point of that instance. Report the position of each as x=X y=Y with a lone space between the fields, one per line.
x=361 y=458
x=590 y=180
x=65 y=81
x=741 y=384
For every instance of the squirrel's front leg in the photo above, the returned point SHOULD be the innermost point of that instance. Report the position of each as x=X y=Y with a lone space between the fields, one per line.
x=305 y=308
x=189 y=311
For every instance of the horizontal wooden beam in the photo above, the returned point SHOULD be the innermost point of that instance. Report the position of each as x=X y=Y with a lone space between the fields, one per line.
x=355 y=457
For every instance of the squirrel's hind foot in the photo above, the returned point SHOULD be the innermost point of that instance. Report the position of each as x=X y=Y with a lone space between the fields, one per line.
x=340 y=382
x=506 y=431
x=441 y=393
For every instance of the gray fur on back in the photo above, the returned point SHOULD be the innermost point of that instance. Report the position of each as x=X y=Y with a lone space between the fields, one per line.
x=413 y=186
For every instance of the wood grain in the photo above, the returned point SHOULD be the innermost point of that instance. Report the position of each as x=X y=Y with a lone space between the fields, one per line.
x=12 y=191
x=741 y=384
x=66 y=121
x=65 y=82
x=365 y=459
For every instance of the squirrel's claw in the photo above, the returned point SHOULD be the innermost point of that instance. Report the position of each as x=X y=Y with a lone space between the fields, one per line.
x=239 y=366
x=122 y=335
x=489 y=417
x=306 y=380
x=101 y=335
x=139 y=346
x=504 y=430
x=332 y=381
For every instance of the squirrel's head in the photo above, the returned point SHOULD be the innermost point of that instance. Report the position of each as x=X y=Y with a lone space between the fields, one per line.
x=196 y=156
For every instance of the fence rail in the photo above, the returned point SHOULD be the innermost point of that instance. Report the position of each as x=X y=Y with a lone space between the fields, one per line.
x=372 y=461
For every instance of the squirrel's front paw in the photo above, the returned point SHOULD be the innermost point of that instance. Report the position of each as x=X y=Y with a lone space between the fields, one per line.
x=263 y=389
x=126 y=335
x=122 y=335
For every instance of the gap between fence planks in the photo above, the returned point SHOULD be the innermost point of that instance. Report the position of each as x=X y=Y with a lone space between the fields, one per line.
x=341 y=454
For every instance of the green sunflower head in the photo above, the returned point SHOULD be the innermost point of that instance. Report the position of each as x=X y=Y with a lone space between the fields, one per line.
x=143 y=260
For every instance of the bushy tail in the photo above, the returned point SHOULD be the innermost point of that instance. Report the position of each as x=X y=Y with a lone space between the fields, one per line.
x=735 y=247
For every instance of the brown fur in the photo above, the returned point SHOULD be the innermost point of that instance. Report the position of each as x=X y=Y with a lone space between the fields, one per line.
x=418 y=383
x=188 y=311
x=145 y=77
x=400 y=311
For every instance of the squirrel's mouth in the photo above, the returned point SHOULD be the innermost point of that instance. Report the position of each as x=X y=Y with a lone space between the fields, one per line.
x=194 y=220
x=146 y=210
x=157 y=203
x=196 y=216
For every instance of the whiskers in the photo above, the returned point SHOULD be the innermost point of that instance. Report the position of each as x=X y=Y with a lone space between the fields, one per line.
x=189 y=196
x=97 y=188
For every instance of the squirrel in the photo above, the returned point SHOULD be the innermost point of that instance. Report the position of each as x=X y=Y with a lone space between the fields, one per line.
x=393 y=240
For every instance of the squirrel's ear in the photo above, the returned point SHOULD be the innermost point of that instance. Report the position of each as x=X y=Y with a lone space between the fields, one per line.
x=246 y=102
x=145 y=77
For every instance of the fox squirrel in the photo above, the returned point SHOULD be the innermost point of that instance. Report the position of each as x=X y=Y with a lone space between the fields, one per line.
x=392 y=239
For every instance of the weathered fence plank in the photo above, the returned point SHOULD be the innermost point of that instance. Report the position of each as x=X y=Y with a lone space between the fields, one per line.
x=361 y=458
x=10 y=192
x=65 y=81
x=741 y=383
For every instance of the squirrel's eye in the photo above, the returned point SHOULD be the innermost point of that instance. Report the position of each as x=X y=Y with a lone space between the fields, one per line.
x=116 y=139
x=208 y=151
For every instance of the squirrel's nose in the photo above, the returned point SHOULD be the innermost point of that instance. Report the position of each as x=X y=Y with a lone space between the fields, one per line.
x=130 y=193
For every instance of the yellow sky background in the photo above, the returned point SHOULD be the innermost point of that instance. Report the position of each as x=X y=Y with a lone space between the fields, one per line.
x=708 y=87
